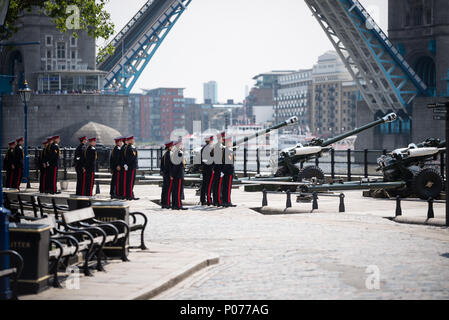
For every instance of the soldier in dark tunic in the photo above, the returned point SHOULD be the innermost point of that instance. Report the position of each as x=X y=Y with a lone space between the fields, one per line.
x=79 y=166
x=207 y=167
x=167 y=182
x=131 y=165
x=53 y=156
x=217 y=180
x=228 y=172
x=43 y=166
x=90 y=156
x=8 y=164
x=47 y=184
x=115 y=164
x=177 y=174
x=19 y=156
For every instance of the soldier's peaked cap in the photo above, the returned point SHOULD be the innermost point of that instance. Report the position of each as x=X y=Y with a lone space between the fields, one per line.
x=170 y=144
x=20 y=139
x=55 y=137
x=92 y=139
x=82 y=138
x=118 y=139
x=129 y=138
x=12 y=142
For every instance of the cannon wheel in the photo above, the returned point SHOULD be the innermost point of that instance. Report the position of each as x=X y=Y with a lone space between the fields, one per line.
x=308 y=173
x=427 y=183
x=405 y=191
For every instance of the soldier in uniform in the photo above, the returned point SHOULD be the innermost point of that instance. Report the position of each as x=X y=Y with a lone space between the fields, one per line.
x=131 y=165
x=167 y=182
x=47 y=185
x=53 y=156
x=228 y=172
x=217 y=180
x=90 y=161
x=177 y=175
x=207 y=164
x=8 y=163
x=79 y=166
x=43 y=166
x=115 y=164
x=19 y=155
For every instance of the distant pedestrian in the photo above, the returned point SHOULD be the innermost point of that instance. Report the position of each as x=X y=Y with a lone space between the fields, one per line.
x=80 y=166
x=90 y=156
x=167 y=181
x=19 y=157
x=115 y=164
x=131 y=166
x=8 y=164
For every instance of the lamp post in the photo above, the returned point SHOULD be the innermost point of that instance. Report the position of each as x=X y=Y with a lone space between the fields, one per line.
x=25 y=96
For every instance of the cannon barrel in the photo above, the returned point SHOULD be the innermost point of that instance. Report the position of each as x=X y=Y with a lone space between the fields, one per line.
x=388 y=118
x=286 y=123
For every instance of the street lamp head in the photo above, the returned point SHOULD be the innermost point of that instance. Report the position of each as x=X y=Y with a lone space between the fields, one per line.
x=25 y=93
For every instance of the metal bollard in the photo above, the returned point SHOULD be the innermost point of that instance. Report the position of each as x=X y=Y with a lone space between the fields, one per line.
x=289 y=200
x=398 y=206
x=5 y=289
x=342 y=203
x=315 y=201
x=264 y=199
x=430 y=212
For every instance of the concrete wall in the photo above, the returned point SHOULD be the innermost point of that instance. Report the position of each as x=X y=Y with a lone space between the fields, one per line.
x=62 y=114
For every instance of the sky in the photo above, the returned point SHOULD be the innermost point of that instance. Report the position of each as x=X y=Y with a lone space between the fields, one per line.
x=231 y=41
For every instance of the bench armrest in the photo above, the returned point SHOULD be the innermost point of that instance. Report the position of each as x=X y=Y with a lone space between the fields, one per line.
x=140 y=214
x=91 y=230
x=71 y=240
x=17 y=258
x=103 y=226
x=80 y=233
x=118 y=223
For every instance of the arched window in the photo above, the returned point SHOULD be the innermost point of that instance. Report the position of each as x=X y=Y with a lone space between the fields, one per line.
x=426 y=70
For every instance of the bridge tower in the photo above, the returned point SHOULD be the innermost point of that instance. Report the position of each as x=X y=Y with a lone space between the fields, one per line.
x=419 y=29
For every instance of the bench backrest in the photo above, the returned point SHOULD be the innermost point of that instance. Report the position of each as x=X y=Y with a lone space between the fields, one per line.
x=60 y=201
x=12 y=197
x=44 y=199
x=27 y=197
x=77 y=215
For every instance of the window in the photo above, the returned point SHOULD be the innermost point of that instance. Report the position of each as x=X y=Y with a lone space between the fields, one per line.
x=73 y=41
x=49 y=66
x=73 y=54
x=48 y=54
x=48 y=40
x=61 y=50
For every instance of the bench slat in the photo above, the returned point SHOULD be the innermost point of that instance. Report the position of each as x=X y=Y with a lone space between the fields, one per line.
x=78 y=215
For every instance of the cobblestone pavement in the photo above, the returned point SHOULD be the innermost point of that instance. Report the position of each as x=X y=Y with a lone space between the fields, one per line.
x=324 y=255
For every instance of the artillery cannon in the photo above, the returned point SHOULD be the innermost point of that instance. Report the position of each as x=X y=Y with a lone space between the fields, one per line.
x=195 y=157
x=289 y=158
x=408 y=165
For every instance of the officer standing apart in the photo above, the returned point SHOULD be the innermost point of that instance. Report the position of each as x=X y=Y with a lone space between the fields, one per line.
x=79 y=166
x=218 y=167
x=228 y=172
x=207 y=167
x=90 y=156
x=115 y=163
x=167 y=182
x=18 y=163
x=8 y=163
x=54 y=155
x=131 y=165
x=43 y=166
x=177 y=175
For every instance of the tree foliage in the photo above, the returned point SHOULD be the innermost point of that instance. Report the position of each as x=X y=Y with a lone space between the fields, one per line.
x=93 y=18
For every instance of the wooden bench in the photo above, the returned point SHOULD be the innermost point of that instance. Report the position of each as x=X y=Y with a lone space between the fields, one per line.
x=135 y=226
x=53 y=205
x=103 y=233
x=64 y=245
x=13 y=272
x=19 y=203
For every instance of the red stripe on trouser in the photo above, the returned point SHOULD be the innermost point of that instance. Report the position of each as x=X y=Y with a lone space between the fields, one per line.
x=210 y=185
x=18 y=179
x=169 y=191
x=219 y=190
x=179 y=194
x=124 y=183
x=91 y=184
x=84 y=183
x=131 y=194
x=54 y=179
x=229 y=189
x=117 y=177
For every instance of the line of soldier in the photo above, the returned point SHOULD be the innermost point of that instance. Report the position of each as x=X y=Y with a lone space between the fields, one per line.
x=217 y=166
x=14 y=164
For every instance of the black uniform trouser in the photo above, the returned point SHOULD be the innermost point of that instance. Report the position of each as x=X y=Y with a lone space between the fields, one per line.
x=8 y=182
x=52 y=180
x=121 y=183
x=227 y=185
x=217 y=185
x=167 y=187
x=89 y=180
x=115 y=183
x=130 y=181
x=80 y=181
x=17 y=178
x=177 y=192
x=206 y=185
x=42 y=179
